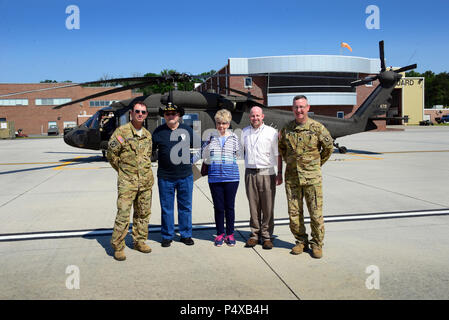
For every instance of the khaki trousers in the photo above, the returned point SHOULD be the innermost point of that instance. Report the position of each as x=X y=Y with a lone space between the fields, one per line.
x=261 y=189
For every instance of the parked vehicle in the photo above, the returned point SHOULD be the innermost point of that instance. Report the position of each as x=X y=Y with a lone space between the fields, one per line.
x=426 y=123
x=53 y=130
x=445 y=118
x=20 y=134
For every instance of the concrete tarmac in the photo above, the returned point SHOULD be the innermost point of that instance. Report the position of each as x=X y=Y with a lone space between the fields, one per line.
x=49 y=190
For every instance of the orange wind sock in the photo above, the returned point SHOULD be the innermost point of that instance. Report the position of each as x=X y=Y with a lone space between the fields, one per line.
x=347 y=46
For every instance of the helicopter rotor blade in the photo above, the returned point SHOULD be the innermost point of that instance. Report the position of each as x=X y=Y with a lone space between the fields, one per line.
x=282 y=75
x=246 y=94
x=171 y=77
x=363 y=81
x=410 y=67
x=382 y=56
x=37 y=90
x=180 y=77
x=257 y=103
x=104 y=93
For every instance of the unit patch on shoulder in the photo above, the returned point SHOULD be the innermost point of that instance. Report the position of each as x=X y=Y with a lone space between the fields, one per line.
x=113 y=144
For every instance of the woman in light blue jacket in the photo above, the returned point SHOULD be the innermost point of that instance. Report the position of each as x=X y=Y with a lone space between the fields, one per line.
x=221 y=151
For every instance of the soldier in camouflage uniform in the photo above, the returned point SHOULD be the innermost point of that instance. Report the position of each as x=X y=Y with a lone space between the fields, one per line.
x=305 y=145
x=129 y=153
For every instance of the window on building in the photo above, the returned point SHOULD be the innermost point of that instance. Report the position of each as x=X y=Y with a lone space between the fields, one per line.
x=13 y=102
x=69 y=124
x=52 y=123
x=52 y=101
x=340 y=114
x=100 y=103
x=248 y=82
x=299 y=82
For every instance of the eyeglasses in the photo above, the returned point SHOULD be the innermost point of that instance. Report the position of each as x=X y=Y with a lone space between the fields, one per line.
x=140 y=111
x=222 y=123
x=170 y=114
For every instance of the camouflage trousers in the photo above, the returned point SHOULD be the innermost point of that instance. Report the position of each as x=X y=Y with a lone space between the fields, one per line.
x=141 y=202
x=313 y=195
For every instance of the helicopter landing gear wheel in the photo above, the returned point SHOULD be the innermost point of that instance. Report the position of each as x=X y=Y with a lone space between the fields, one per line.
x=341 y=149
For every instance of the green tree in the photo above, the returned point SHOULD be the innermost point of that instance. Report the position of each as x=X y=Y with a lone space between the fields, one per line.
x=436 y=87
x=49 y=81
x=166 y=87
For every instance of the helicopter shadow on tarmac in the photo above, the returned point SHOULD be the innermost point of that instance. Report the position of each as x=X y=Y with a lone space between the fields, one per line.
x=98 y=158
x=358 y=152
x=61 y=163
x=71 y=152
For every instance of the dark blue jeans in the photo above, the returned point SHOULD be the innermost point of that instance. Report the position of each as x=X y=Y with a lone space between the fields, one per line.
x=223 y=196
x=183 y=188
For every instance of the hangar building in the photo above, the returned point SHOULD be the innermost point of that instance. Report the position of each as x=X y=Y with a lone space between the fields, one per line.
x=324 y=79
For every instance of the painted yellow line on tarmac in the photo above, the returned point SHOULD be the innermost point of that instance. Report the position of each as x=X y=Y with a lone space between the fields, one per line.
x=92 y=168
x=67 y=163
x=367 y=157
x=61 y=167
x=364 y=157
x=416 y=151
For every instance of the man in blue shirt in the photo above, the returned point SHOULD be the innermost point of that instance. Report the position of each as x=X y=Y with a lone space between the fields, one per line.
x=173 y=140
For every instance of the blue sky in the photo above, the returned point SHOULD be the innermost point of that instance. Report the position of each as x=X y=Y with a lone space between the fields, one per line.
x=125 y=38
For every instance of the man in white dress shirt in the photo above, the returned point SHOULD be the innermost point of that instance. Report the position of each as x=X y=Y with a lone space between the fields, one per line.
x=260 y=145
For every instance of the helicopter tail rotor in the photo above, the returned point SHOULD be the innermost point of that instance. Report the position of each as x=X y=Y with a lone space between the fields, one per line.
x=410 y=67
x=382 y=56
x=387 y=78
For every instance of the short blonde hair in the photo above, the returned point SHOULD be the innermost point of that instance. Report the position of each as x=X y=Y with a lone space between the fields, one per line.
x=223 y=115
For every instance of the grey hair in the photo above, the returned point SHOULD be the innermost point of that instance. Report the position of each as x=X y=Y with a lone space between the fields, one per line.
x=223 y=115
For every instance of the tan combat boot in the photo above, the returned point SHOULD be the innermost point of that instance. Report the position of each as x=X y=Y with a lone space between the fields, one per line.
x=317 y=251
x=119 y=255
x=299 y=248
x=142 y=247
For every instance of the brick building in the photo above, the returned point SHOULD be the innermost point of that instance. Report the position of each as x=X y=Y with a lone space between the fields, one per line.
x=33 y=112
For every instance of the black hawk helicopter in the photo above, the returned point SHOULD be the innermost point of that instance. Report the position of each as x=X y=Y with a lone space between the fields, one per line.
x=95 y=132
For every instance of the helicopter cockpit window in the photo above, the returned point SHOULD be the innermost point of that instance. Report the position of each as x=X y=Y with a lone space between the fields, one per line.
x=94 y=120
x=123 y=119
x=88 y=122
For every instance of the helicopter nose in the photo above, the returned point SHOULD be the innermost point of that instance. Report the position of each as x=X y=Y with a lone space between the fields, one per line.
x=76 y=138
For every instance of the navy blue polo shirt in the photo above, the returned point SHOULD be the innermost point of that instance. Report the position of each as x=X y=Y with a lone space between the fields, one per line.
x=173 y=151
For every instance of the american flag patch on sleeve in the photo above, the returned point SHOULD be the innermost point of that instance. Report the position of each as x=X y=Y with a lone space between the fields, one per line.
x=120 y=139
